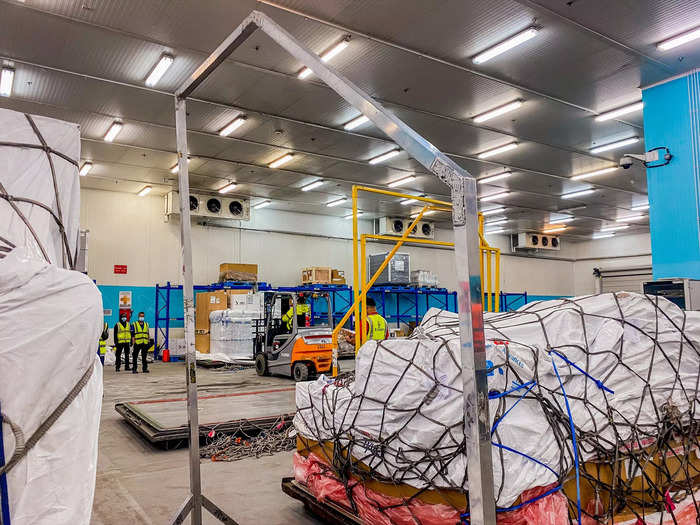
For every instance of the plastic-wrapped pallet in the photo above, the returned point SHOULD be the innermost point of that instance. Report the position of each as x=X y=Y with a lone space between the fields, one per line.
x=50 y=323
x=231 y=334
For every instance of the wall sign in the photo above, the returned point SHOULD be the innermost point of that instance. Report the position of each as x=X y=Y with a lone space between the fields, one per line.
x=124 y=299
x=120 y=268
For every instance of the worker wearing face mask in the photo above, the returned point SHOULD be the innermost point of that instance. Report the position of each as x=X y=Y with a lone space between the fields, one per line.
x=123 y=337
x=141 y=340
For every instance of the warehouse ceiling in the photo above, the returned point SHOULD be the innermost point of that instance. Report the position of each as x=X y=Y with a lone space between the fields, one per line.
x=87 y=61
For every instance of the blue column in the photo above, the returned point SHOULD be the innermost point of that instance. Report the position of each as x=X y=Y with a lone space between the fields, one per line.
x=672 y=119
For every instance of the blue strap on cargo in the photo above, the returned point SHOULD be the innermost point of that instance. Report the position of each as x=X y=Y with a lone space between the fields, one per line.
x=598 y=382
x=4 y=497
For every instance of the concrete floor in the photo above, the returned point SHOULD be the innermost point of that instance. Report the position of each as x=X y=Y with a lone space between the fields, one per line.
x=140 y=484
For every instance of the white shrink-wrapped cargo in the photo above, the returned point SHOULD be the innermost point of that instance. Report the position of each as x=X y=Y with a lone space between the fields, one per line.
x=231 y=334
x=39 y=186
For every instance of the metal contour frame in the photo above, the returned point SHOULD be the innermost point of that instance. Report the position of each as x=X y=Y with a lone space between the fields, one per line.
x=464 y=214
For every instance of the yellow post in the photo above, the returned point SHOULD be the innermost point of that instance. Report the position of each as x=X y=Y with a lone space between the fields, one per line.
x=498 y=280
x=488 y=281
x=360 y=333
x=356 y=277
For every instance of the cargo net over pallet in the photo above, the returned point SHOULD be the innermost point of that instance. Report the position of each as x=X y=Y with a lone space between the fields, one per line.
x=593 y=405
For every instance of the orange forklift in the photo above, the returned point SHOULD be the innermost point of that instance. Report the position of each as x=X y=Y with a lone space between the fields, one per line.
x=294 y=349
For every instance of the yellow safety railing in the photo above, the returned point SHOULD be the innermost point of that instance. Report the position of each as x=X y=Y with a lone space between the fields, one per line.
x=489 y=256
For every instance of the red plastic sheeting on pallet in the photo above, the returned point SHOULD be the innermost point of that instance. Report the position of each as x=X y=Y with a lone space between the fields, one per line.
x=375 y=508
x=684 y=513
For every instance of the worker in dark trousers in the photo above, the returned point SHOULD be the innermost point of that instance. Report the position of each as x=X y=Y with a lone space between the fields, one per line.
x=103 y=342
x=141 y=340
x=123 y=337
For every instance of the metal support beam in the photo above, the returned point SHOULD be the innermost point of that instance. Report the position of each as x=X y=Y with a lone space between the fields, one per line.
x=463 y=190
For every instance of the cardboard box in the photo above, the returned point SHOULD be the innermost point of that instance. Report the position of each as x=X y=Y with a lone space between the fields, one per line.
x=206 y=303
x=238 y=272
x=201 y=342
x=316 y=275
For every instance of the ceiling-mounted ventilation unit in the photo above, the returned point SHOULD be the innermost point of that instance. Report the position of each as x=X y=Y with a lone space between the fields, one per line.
x=214 y=206
x=194 y=203
x=536 y=241
x=396 y=226
x=209 y=206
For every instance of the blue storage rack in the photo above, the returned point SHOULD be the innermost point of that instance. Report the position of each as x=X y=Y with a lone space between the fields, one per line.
x=340 y=294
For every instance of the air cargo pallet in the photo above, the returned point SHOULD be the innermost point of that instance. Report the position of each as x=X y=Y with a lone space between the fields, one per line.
x=327 y=511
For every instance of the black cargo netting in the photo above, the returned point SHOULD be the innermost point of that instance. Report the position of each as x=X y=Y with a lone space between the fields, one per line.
x=69 y=258
x=614 y=454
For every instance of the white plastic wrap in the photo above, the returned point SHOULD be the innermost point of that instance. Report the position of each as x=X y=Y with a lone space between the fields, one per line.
x=25 y=172
x=50 y=322
x=231 y=333
x=408 y=392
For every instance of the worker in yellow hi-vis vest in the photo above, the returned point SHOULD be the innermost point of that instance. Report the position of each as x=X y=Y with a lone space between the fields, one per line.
x=141 y=340
x=102 y=349
x=376 y=327
x=123 y=337
x=303 y=311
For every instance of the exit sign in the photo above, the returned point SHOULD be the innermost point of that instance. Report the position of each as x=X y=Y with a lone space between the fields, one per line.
x=120 y=268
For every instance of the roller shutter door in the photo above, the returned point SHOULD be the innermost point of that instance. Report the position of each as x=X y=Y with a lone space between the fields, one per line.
x=623 y=279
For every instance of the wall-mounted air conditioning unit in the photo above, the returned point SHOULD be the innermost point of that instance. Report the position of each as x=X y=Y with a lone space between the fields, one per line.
x=210 y=206
x=424 y=230
x=397 y=226
x=536 y=241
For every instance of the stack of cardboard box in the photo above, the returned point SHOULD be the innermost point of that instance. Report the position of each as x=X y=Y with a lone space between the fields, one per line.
x=208 y=302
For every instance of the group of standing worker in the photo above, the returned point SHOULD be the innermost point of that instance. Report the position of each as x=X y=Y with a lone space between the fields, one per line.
x=126 y=335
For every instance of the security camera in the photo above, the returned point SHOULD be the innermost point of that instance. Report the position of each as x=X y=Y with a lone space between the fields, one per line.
x=650 y=159
x=626 y=162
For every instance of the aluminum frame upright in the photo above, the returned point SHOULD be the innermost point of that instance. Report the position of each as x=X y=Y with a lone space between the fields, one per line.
x=477 y=423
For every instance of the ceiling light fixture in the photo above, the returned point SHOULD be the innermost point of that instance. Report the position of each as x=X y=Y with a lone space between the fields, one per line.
x=159 y=70
x=562 y=220
x=355 y=123
x=506 y=45
x=350 y=216
x=603 y=235
x=595 y=173
x=176 y=167
x=495 y=151
x=554 y=230
x=385 y=156
x=144 y=191
x=314 y=184
x=631 y=218
x=336 y=202
x=113 y=131
x=325 y=57
x=497 y=176
x=615 y=145
x=499 y=230
x=494 y=196
x=496 y=222
x=498 y=111
x=401 y=182
x=6 y=79
x=640 y=207
x=624 y=110
x=282 y=160
x=580 y=193
x=429 y=212
x=229 y=187
x=233 y=126
x=492 y=211
x=85 y=168
x=679 y=40
x=407 y=201
x=262 y=204
x=614 y=228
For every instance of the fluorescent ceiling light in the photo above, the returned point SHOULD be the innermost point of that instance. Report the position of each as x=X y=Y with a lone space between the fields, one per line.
x=495 y=151
x=385 y=156
x=159 y=70
x=603 y=235
x=562 y=220
x=402 y=181
x=356 y=122
x=631 y=218
x=262 y=204
x=144 y=191
x=595 y=173
x=615 y=228
x=640 y=207
x=229 y=187
x=334 y=203
x=554 y=230
x=497 y=176
x=500 y=110
x=499 y=230
x=575 y=194
x=507 y=44
x=350 y=216
x=113 y=131
x=282 y=160
x=325 y=57
x=679 y=40
x=6 y=79
x=496 y=222
x=176 y=167
x=407 y=201
x=85 y=168
x=492 y=211
x=624 y=110
x=429 y=212
x=494 y=196
x=314 y=184
x=615 y=145
x=233 y=126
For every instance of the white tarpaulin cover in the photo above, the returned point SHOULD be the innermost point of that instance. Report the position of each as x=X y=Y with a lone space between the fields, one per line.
x=626 y=362
x=25 y=172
